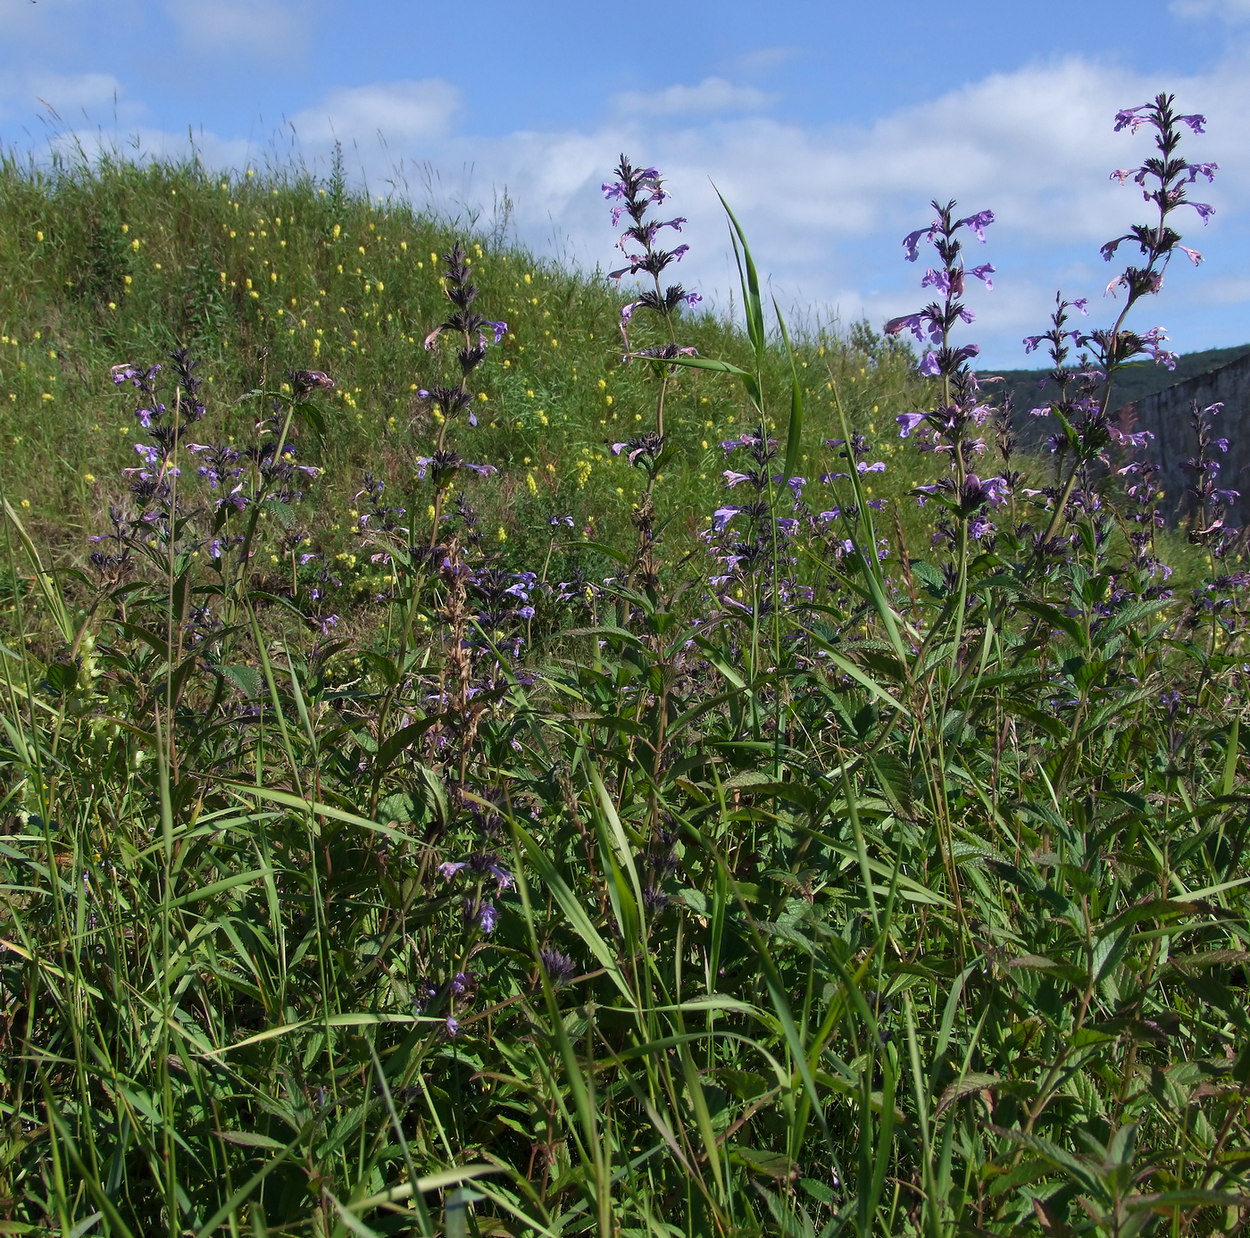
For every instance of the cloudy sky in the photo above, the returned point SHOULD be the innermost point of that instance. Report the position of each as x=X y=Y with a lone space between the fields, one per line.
x=827 y=125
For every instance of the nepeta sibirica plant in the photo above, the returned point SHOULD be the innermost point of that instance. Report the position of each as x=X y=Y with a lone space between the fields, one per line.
x=752 y=544
x=956 y=427
x=1082 y=404
x=633 y=194
x=953 y=427
x=445 y=578
x=453 y=401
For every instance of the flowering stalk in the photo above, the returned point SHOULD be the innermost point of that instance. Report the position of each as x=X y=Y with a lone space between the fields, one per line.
x=452 y=401
x=1207 y=525
x=954 y=425
x=1163 y=179
x=448 y=402
x=277 y=464
x=951 y=426
x=634 y=193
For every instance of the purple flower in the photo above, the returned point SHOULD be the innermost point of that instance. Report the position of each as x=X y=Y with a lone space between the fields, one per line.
x=990 y=490
x=1137 y=439
x=1130 y=118
x=978 y=223
x=487 y=918
x=983 y=273
x=1201 y=169
x=930 y=367
x=920 y=325
x=911 y=242
x=557 y=965
x=907 y=422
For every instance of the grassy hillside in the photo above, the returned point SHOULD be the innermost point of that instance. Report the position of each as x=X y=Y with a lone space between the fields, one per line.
x=256 y=278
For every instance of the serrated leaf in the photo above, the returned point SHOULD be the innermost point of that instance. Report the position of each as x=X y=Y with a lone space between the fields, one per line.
x=974 y=1081
x=247 y=679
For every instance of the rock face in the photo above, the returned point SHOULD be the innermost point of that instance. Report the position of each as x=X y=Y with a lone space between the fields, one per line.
x=1167 y=415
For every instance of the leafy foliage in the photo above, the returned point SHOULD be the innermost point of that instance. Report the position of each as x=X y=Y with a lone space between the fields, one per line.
x=790 y=871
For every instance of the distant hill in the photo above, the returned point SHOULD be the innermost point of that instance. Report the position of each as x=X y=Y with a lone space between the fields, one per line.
x=1134 y=382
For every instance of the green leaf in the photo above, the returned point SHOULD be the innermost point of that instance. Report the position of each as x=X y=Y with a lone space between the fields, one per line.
x=247 y=679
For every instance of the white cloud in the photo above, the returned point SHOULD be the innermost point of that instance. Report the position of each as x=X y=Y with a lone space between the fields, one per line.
x=264 y=29
x=64 y=100
x=70 y=92
x=714 y=96
x=399 y=112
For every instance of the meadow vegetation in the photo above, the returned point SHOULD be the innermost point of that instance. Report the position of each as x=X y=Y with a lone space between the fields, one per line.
x=490 y=750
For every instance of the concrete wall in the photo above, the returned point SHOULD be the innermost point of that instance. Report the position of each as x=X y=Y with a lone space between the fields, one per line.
x=1167 y=415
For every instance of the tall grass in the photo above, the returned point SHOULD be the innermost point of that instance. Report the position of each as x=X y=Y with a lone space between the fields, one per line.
x=744 y=862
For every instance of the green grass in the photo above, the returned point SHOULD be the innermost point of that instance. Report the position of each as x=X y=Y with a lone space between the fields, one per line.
x=842 y=895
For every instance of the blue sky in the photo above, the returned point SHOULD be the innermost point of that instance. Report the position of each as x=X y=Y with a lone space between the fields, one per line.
x=827 y=126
